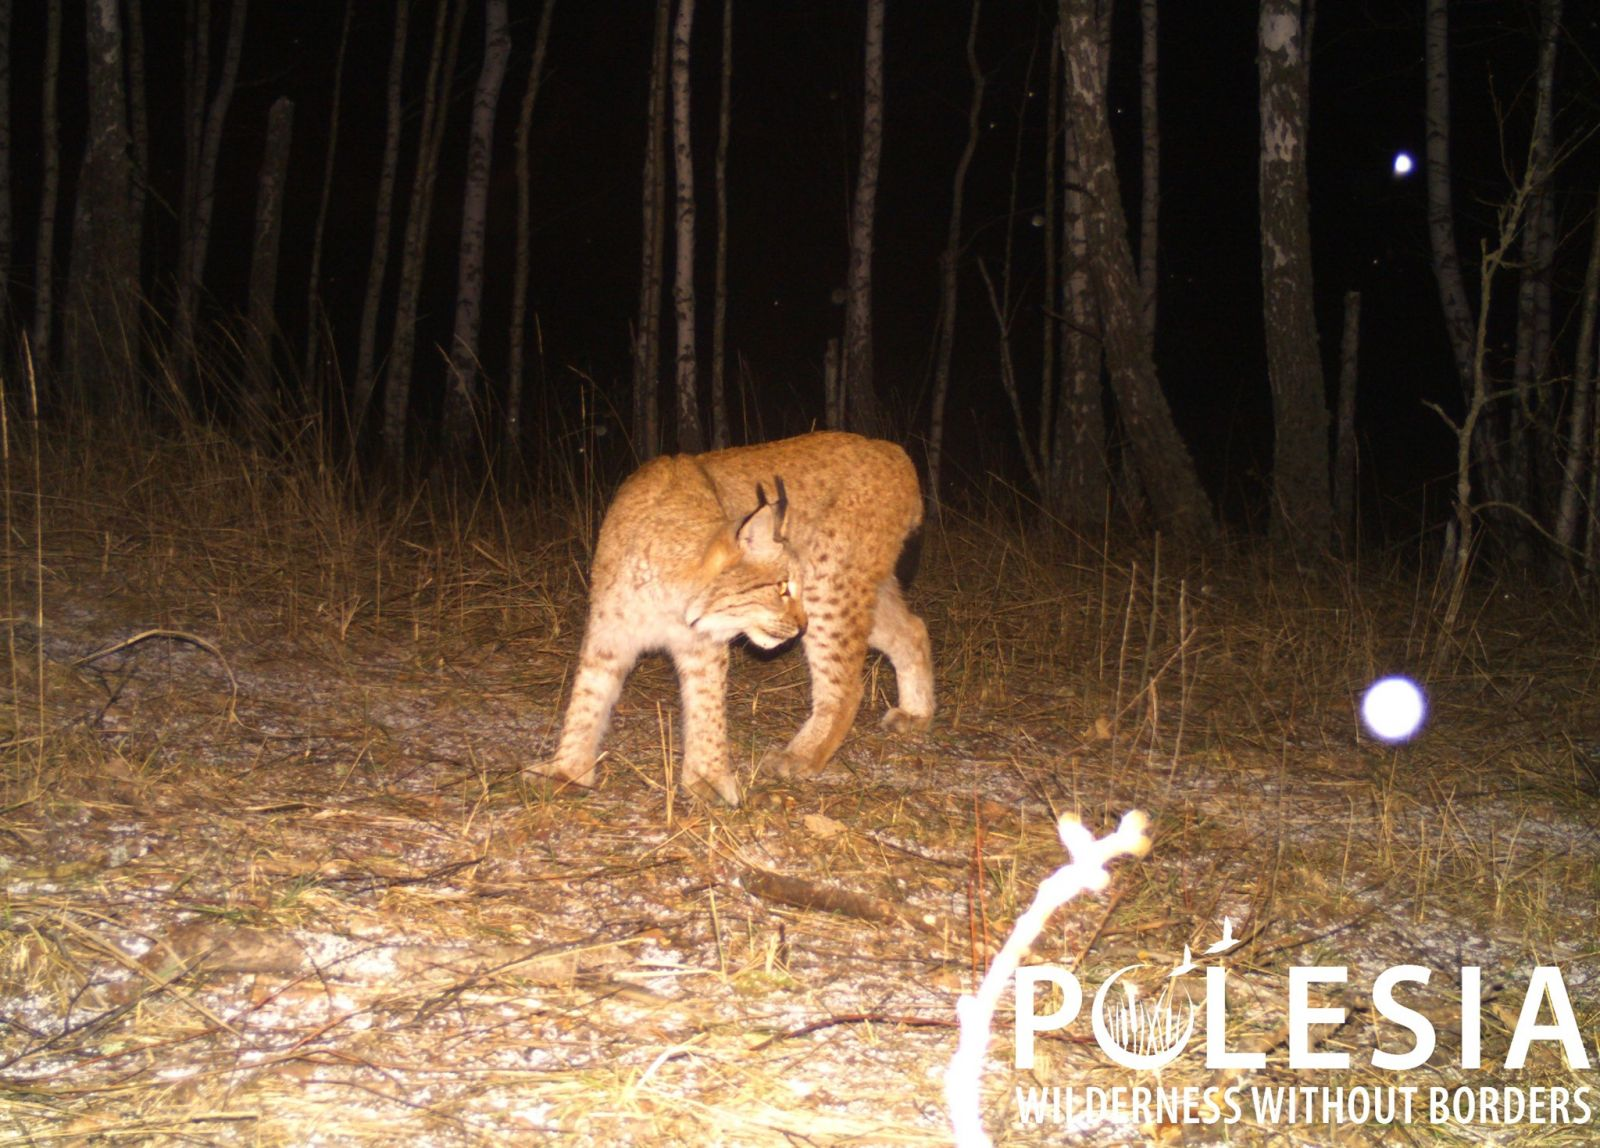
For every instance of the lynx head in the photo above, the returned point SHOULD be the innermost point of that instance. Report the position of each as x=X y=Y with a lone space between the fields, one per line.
x=748 y=581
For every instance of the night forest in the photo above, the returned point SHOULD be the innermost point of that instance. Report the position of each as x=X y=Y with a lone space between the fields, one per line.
x=1246 y=354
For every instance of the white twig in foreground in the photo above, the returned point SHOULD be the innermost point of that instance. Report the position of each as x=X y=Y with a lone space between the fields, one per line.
x=1085 y=873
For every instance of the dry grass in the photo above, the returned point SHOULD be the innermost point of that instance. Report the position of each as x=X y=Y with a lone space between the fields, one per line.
x=322 y=909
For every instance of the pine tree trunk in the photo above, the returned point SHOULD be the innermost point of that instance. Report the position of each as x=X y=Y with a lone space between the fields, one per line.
x=1164 y=464
x=864 y=412
x=1301 y=505
x=200 y=182
x=262 y=314
x=1149 y=169
x=382 y=227
x=462 y=413
x=1345 y=456
x=419 y=217
x=688 y=396
x=949 y=266
x=49 y=200
x=647 y=334
x=719 y=312
x=103 y=269
x=314 y=323
x=515 y=365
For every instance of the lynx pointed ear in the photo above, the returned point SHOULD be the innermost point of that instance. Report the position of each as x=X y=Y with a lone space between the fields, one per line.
x=780 y=508
x=761 y=533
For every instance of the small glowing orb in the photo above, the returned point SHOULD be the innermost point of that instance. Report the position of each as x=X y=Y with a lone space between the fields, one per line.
x=1393 y=709
x=1403 y=164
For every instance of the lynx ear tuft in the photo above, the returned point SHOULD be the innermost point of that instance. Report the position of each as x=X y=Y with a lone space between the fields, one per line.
x=780 y=508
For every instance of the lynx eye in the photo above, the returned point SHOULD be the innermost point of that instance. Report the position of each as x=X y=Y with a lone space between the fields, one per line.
x=789 y=590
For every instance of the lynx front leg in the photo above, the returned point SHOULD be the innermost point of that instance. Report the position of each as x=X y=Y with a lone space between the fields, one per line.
x=836 y=651
x=601 y=670
x=904 y=637
x=703 y=679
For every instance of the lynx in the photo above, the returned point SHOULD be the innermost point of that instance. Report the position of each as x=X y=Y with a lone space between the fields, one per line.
x=693 y=552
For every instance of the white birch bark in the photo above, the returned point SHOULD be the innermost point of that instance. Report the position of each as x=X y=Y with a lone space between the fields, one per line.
x=462 y=414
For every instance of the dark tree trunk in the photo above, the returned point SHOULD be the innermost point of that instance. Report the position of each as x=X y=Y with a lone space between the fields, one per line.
x=1302 y=511
x=104 y=267
x=864 y=412
x=647 y=334
x=690 y=440
x=1165 y=468
x=262 y=315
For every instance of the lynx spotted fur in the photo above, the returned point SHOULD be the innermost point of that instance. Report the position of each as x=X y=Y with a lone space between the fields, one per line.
x=693 y=553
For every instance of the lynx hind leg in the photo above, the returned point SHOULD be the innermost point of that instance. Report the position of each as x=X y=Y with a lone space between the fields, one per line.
x=836 y=652
x=601 y=671
x=904 y=638
x=703 y=679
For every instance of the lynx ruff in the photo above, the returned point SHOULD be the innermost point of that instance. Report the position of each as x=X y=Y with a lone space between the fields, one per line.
x=693 y=553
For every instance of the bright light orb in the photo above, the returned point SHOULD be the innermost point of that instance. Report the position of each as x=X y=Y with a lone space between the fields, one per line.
x=1392 y=709
x=1404 y=165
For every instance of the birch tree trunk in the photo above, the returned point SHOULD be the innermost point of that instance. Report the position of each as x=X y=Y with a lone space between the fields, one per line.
x=519 y=276
x=949 y=266
x=1052 y=268
x=200 y=181
x=647 y=334
x=719 y=312
x=1149 y=169
x=49 y=199
x=1163 y=461
x=314 y=277
x=688 y=397
x=1302 y=514
x=863 y=410
x=104 y=267
x=419 y=217
x=262 y=314
x=382 y=226
x=462 y=416
x=1344 y=466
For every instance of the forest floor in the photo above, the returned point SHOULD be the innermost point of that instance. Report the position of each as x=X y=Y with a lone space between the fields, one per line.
x=271 y=875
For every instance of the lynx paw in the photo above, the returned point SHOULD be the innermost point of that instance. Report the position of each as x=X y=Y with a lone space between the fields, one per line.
x=705 y=786
x=898 y=720
x=782 y=763
x=560 y=771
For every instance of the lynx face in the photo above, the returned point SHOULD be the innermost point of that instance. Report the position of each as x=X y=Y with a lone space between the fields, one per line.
x=692 y=554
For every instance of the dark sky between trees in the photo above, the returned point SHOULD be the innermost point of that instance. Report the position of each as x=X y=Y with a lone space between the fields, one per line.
x=796 y=116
